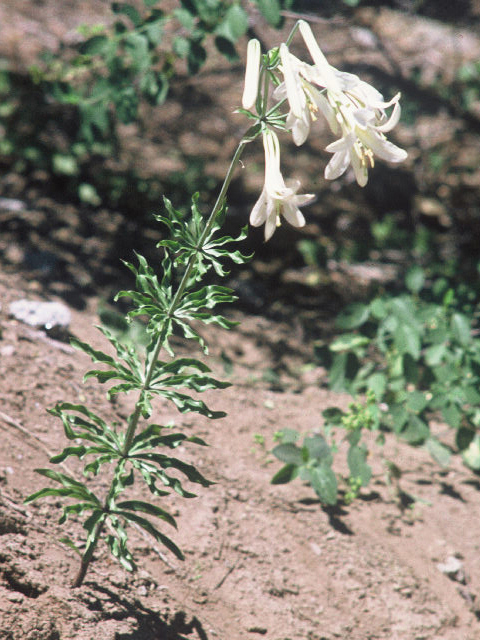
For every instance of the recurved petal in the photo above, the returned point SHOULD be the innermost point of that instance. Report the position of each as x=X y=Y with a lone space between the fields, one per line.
x=280 y=92
x=380 y=146
x=304 y=198
x=392 y=120
x=327 y=75
x=340 y=144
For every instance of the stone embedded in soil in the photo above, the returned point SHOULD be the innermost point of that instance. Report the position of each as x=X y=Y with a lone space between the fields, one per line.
x=45 y=315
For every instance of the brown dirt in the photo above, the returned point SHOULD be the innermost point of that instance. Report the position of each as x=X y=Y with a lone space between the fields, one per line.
x=261 y=560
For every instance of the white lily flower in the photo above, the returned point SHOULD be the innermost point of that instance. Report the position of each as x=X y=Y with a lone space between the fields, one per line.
x=277 y=198
x=252 y=74
x=355 y=109
x=363 y=137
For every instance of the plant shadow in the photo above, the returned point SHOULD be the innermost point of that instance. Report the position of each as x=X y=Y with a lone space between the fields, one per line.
x=150 y=624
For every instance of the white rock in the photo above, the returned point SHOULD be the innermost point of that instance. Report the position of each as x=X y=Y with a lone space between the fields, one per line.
x=46 y=315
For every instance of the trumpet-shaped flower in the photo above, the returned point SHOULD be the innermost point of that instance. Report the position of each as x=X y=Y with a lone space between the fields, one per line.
x=353 y=108
x=252 y=74
x=277 y=197
x=361 y=140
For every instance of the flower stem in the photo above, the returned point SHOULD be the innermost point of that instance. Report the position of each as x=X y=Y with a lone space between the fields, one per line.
x=134 y=418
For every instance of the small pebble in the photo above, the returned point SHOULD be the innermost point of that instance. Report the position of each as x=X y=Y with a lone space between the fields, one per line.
x=15 y=597
x=45 y=315
x=453 y=568
x=7 y=350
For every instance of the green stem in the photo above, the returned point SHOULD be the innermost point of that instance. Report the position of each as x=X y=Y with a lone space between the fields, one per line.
x=87 y=557
x=292 y=33
x=135 y=416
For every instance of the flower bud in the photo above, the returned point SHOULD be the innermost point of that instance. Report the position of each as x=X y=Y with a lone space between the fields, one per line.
x=252 y=74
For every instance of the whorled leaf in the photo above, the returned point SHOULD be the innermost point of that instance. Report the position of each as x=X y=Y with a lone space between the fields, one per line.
x=189 y=241
x=94 y=430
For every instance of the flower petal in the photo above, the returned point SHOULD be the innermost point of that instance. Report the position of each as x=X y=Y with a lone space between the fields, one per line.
x=392 y=121
x=304 y=198
x=294 y=95
x=293 y=215
x=337 y=165
x=300 y=129
x=259 y=211
x=380 y=146
x=359 y=168
x=327 y=76
x=270 y=225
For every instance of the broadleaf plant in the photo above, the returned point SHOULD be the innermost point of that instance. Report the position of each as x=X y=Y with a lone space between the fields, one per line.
x=175 y=299
x=312 y=462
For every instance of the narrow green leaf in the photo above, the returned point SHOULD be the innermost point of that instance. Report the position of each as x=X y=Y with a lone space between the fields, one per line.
x=92 y=526
x=146 y=507
x=169 y=462
x=67 y=541
x=154 y=532
x=79 y=452
x=95 y=354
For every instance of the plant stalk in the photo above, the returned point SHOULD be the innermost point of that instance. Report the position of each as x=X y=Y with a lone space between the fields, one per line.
x=135 y=416
x=87 y=557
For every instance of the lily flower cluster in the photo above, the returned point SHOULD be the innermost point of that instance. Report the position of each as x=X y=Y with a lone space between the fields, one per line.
x=354 y=110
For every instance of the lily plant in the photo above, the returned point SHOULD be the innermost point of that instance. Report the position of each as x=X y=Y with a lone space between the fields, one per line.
x=141 y=448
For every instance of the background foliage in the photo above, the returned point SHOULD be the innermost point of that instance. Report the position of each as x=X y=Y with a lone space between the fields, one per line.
x=410 y=342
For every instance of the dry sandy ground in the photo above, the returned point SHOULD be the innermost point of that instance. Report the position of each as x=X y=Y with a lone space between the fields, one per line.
x=261 y=560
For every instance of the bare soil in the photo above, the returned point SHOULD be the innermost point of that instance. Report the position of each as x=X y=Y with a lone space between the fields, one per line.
x=261 y=560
